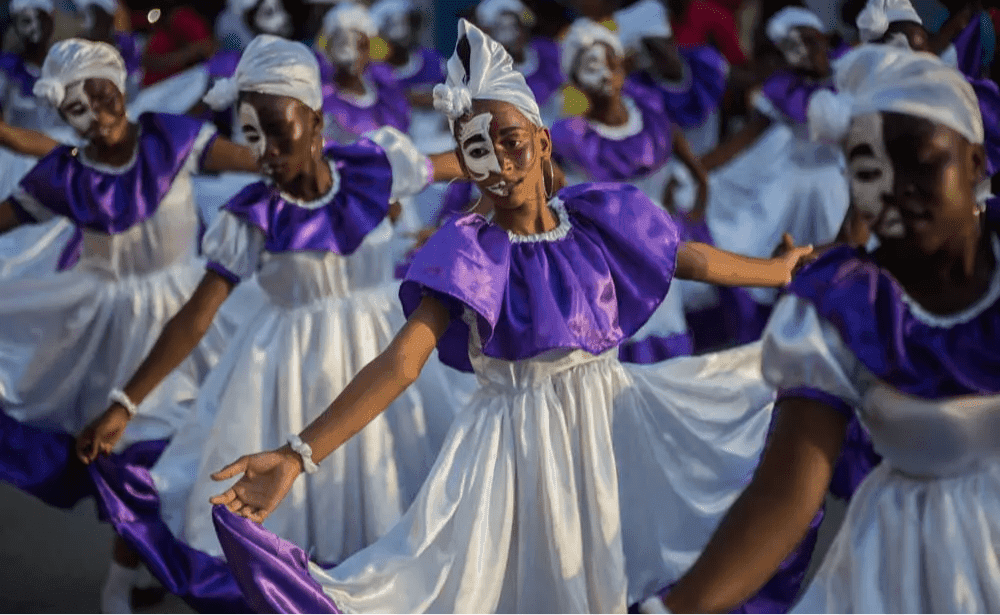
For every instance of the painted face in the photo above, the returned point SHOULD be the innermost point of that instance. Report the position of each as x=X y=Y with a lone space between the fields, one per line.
x=270 y=17
x=794 y=49
x=397 y=29
x=507 y=29
x=28 y=26
x=283 y=134
x=807 y=49
x=343 y=47
x=95 y=108
x=477 y=147
x=593 y=70
x=77 y=109
x=872 y=176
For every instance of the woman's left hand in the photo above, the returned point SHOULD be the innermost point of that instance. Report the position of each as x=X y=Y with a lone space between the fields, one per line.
x=267 y=478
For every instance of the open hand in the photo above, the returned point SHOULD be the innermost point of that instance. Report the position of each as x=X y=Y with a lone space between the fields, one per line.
x=791 y=258
x=102 y=434
x=267 y=478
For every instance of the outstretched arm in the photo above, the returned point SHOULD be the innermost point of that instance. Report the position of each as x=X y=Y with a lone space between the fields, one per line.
x=705 y=263
x=789 y=485
x=268 y=476
x=26 y=141
x=179 y=337
x=224 y=155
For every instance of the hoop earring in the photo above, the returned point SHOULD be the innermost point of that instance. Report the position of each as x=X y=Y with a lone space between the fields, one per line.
x=550 y=190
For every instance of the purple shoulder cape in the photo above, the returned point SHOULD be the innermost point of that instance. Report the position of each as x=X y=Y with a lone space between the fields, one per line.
x=430 y=72
x=867 y=307
x=115 y=202
x=577 y=143
x=12 y=65
x=589 y=289
x=691 y=102
x=391 y=108
x=547 y=79
x=361 y=203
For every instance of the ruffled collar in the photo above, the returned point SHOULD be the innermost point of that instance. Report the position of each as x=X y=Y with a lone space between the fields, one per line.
x=556 y=234
x=630 y=128
x=325 y=198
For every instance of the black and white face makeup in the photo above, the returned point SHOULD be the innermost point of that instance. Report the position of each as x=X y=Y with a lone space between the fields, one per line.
x=252 y=130
x=28 y=26
x=872 y=176
x=95 y=108
x=507 y=29
x=270 y=17
x=77 y=108
x=794 y=49
x=478 y=152
x=593 y=71
x=343 y=47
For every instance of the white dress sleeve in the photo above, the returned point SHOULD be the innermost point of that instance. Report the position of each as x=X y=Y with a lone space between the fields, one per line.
x=233 y=247
x=206 y=136
x=805 y=356
x=411 y=170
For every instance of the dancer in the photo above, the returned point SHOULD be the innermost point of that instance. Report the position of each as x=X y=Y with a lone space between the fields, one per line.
x=416 y=68
x=68 y=340
x=904 y=336
x=543 y=498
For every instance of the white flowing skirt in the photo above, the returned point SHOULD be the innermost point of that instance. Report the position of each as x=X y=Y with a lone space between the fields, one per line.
x=912 y=545
x=283 y=368
x=67 y=339
x=570 y=484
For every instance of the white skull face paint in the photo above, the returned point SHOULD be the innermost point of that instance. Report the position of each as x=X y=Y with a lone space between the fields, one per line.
x=872 y=175
x=397 y=28
x=77 y=109
x=252 y=130
x=272 y=18
x=343 y=47
x=794 y=50
x=477 y=147
x=507 y=29
x=592 y=71
x=28 y=25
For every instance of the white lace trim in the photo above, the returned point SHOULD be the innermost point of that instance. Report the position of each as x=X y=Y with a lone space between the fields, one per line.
x=411 y=68
x=630 y=128
x=963 y=316
x=559 y=232
x=681 y=85
x=531 y=63
x=368 y=99
x=323 y=200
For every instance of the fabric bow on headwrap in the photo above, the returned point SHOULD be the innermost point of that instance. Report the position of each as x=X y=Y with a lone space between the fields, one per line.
x=887 y=78
x=74 y=60
x=480 y=69
x=488 y=12
x=582 y=34
x=780 y=26
x=644 y=19
x=874 y=20
x=16 y=6
x=271 y=65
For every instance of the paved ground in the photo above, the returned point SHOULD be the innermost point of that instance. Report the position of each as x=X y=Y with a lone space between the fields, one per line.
x=54 y=561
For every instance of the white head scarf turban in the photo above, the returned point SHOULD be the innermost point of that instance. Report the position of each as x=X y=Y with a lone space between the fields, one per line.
x=488 y=12
x=887 y=78
x=349 y=16
x=782 y=23
x=108 y=6
x=874 y=20
x=16 y=6
x=480 y=69
x=74 y=60
x=644 y=19
x=271 y=65
x=582 y=34
x=382 y=10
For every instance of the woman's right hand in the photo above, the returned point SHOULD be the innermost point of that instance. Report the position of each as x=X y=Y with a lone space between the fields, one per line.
x=267 y=478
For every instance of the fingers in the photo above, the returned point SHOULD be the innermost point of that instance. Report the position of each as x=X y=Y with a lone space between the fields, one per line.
x=235 y=468
x=84 y=448
x=224 y=498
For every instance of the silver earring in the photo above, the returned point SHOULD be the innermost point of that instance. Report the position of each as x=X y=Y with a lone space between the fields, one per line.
x=549 y=191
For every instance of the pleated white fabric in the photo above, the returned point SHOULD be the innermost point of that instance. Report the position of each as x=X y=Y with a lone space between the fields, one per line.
x=570 y=484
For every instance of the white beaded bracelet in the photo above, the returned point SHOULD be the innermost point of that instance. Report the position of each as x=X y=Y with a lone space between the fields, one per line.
x=305 y=451
x=118 y=396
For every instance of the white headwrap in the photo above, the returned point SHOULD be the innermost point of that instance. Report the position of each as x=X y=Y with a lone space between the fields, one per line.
x=16 y=6
x=108 y=6
x=644 y=19
x=489 y=11
x=874 y=20
x=271 y=65
x=878 y=78
x=73 y=60
x=782 y=23
x=481 y=69
x=349 y=16
x=582 y=34
x=382 y=10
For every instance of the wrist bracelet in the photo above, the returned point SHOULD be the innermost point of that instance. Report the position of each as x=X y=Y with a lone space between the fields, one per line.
x=118 y=396
x=305 y=451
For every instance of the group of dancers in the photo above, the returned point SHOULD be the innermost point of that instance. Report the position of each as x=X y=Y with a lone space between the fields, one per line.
x=470 y=319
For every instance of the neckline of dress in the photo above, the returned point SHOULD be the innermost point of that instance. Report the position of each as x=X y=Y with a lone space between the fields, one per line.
x=412 y=66
x=979 y=306
x=630 y=128
x=364 y=101
x=322 y=200
x=85 y=160
x=559 y=232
